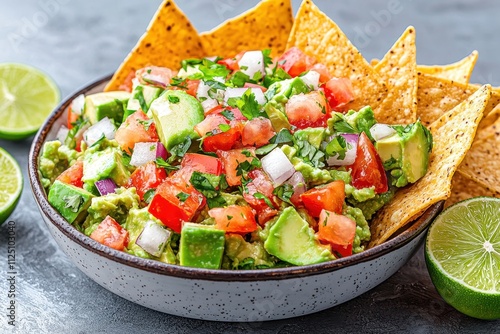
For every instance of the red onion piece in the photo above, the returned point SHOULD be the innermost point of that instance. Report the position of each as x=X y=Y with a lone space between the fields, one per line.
x=161 y=151
x=350 y=154
x=298 y=183
x=106 y=186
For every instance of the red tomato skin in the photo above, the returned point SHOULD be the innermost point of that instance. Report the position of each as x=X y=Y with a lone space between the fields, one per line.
x=338 y=92
x=192 y=87
x=111 y=234
x=146 y=177
x=324 y=73
x=234 y=219
x=168 y=208
x=257 y=132
x=230 y=160
x=127 y=83
x=72 y=117
x=155 y=76
x=307 y=110
x=73 y=175
x=337 y=230
x=368 y=170
x=238 y=116
x=252 y=85
x=132 y=131
x=330 y=197
x=202 y=163
x=232 y=63
x=295 y=62
x=224 y=140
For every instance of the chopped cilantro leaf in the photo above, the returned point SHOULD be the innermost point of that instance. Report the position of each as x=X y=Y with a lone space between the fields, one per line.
x=73 y=202
x=146 y=123
x=268 y=60
x=180 y=149
x=228 y=114
x=160 y=162
x=284 y=192
x=182 y=196
x=265 y=149
x=337 y=147
x=173 y=99
x=148 y=195
x=247 y=104
x=224 y=127
x=265 y=198
x=179 y=82
x=139 y=95
x=284 y=136
x=190 y=62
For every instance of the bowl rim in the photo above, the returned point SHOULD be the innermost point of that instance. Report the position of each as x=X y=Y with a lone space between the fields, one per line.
x=413 y=231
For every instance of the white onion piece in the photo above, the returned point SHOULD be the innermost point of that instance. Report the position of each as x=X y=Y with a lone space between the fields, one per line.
x=277 y=166
x=298 y=183
x=104 y=127
x=77 y=104
x=380 y=131
x=143 y=153
x=62 y=133
x=238 y=92
x=207 y=102
x=350 y=154
x=153 y=238
x=311 y=78
x=252 y=62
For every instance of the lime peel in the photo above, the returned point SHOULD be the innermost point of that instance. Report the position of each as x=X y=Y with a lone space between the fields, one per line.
x=462 y=254
x=11 y=184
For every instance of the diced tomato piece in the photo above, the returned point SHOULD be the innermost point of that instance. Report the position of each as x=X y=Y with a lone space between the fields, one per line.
x=257 y=132
x=72 y=117
x=252 y=85
x=324 y=73
x=202 y=163
x=237 y=115
x=73 y=175
x=111 y=234
x=136 y=129
x=127 y=83
x=234 y=219
x=155 y=76
x=232 y=63
x=260 y=183
x=338 y=92
x=175 y=201
x=329 y=197
x=192 y=87
x=146 y=177
x=368 y=170
x=337 y=230
x=210 y=124
x=295 y=62
x=223 y=140
x=307 y=110
x=230 y=161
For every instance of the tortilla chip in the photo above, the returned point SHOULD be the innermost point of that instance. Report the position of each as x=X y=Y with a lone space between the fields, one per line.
x=482 y=162
x=436 y=96
x=490 y=125
x=458 y=72
x=169 y=38
x=399 y=70
x=464 y=188
x=267 y=26
x=453 y=134
x=317 y=35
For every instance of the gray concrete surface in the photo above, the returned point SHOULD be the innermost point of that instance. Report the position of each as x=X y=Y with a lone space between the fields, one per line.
x=77 y=41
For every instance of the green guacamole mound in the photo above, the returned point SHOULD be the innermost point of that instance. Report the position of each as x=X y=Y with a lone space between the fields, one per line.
x=54 y=160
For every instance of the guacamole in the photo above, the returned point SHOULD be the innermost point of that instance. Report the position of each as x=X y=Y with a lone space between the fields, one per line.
x=222 y=166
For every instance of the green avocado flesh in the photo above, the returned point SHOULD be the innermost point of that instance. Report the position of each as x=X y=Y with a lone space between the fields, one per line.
x=201 y=246
x=71 y=202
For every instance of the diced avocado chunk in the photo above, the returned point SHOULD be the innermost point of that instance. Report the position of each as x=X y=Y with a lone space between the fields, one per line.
x=311 y=174
x=276 y=114
x=281 y=91
x=71 y=202
x=406 y=153
x=292 y=240
x=175 y=114
x=106 y=104
x=241 y=254
x=104 y=164
x=201 y=246
x=141 y=98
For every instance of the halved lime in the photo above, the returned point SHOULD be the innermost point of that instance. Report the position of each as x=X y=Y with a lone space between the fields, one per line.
x=27 y=96
x=462 y=253
x=11 y=184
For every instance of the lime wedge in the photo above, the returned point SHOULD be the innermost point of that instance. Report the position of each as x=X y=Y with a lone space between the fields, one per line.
x=462 y=253
x=27 y=96
x=11 y=184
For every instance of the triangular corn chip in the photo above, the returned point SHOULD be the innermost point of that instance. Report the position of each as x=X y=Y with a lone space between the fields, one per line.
x=265 y=26
x=453 y=134
x=317 y=35
x=464 y=188
x=399 y=70
x=169 y=38
x=459 y=71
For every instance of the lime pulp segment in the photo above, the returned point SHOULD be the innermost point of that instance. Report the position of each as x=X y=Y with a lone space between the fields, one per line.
x=11 y=184
x=27 y=96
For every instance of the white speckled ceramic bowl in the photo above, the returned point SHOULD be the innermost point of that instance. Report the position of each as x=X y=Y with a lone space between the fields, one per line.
x=223 y=295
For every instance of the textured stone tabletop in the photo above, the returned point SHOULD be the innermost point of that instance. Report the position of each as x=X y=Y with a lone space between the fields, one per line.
x=76 y=42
